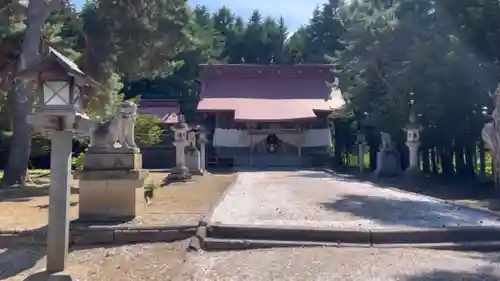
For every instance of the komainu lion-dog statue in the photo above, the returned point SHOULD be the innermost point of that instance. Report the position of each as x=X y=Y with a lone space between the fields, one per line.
x=117 y=130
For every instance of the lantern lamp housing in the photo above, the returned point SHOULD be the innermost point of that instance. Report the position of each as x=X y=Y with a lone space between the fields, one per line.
x=59 y=83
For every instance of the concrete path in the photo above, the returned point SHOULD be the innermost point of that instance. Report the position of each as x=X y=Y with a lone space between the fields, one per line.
x=318 y=199
x=341 y=264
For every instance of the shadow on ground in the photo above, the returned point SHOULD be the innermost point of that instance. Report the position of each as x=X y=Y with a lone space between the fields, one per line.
x=470 y=192
x=19 y=258
x=16 y=259
x=486 y=273
x=446 y=188
x=44 y=275
x=406 y=212
x=24 y=194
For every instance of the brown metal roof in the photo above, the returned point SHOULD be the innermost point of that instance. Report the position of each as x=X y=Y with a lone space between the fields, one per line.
x=267 y=109
x=167 y=110
x=269 y=92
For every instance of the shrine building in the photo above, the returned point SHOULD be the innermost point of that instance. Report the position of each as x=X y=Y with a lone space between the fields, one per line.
x=268 y=115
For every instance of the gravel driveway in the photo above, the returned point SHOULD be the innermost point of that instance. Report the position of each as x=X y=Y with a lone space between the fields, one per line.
x=342 y=264
x=160 y=261
x=318 y=199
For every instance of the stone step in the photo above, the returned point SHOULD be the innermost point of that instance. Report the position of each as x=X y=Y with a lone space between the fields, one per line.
x=356 y=236
x=216 y=244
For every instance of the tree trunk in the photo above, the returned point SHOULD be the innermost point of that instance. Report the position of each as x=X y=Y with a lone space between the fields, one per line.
x=21 y=96
x=459 y=160
x=425 y=161
x=470 y=163
x=482 y=160
x=446 y=155
x=337 y=158
x=435 y=168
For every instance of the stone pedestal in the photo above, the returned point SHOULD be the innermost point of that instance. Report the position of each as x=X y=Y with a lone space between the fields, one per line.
x=180 y=172
x=113 y=159
x=388 y=163
x=193 y=162
x=414 y=167
x=111 y=184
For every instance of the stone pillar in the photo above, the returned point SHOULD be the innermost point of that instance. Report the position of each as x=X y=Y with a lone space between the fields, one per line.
x=414 y=159
x=202 y=139
x=180 y=172
x=59 y=199
x=413 y=143
x=193 y=156
x=361 y=142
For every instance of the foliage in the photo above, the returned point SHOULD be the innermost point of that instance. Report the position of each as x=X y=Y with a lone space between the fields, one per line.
x=447 y=53
x=78 y=161
x=147 y=130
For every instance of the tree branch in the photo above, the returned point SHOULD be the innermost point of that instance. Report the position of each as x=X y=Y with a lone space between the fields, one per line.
x=7 y=5
x=379 y=73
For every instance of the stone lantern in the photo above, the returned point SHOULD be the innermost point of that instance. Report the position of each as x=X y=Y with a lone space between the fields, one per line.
x=413 y=130
x=181 y=171
x=58 y=112
x=59 y=103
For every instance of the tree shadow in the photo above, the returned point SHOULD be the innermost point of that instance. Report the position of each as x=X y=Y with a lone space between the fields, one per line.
x=473 y=193
x=24 y=194
x=404 y=211
x=485 y=273
x=446 y=188
x=15 y=259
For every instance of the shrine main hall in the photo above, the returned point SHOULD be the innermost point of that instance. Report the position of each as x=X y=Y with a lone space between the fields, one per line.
x=268 y=115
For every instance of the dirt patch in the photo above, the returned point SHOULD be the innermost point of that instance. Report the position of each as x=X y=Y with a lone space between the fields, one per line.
x=27 y=208
x=176 y=203
x=128 y=263
x=183 y=202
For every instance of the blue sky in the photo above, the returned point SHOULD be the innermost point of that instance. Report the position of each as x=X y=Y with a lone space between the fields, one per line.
x=295 y=12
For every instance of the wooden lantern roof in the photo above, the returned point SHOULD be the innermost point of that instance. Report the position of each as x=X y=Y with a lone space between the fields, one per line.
x=53 y=65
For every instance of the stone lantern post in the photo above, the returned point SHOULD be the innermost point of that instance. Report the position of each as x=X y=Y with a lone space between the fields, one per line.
x=413 y=143
x=181 y=171
x=202 y=140
x=58 y=112
x=361 y=142
x=195 y=157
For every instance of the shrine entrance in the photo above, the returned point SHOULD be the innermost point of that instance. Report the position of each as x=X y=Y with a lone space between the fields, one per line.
x=274 y=152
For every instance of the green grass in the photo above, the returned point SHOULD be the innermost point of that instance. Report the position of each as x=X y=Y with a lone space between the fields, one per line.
x=353 y=160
